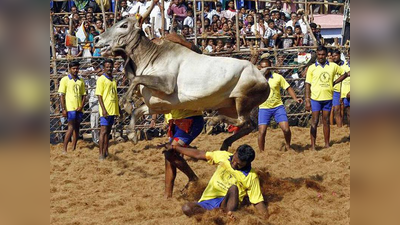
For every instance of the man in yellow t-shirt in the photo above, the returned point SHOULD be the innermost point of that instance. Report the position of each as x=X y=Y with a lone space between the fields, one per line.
x=230 y=183
x=336 y=102
x=319 y=92
x=273 y=106
x=345 y=93
x=106 y=91
x=72 y=91
x=184 y=127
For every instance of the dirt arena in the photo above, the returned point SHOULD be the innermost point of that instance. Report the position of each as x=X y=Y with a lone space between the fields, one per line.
x=301 y=187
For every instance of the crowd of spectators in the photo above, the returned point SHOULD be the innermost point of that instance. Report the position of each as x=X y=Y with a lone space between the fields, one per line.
x=274 y=25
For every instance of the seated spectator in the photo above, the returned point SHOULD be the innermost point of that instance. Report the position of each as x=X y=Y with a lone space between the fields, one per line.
x=225 y=30
x=298 y=36
x=189 y=19
x=260 y=27
x=191 y=31
x=246 y=30
x=220 y=46
x=243 y=13
x=214 y=18
x=214 y=28
x=272 y=34
x=210 y=46
x=185 y=31
x=228 y=46
x=287 y=42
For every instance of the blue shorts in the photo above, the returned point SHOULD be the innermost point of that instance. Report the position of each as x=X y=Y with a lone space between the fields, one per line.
x=336 y=98
x=317 y=106
x=279 y=113
x=195 y=130
x=75 y=115
x=211 y=203
x=346 y=102
x=107 y=121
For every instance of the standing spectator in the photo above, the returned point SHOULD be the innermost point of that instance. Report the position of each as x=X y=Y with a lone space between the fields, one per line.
x=189 y=19
x=124 y=8
x=230 y=12
x=288 y=41
x=293 y=21
x=345 y=93
x=217 y=11
x=319 y=92
x=90 y=19
x=308 y=40
x=337 y=88
x=303 y=25
x=99 y=26
x=178 y=9
x=106 y=91
x=93 y=73
x=273 y=106
x=72 y=91
x=272 y=34
x=260 y=27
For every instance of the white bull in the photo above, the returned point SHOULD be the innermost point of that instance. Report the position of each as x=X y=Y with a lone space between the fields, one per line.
x=171 y=76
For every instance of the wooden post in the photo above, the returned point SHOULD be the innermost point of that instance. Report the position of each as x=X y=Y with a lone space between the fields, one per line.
x=202 y=17
x=256 y=5
x=70 y=33
x=162 y=19
x=195 y=19
x=104 y=15
x=115 y=11
x=237 y=29
x=305 y=7
x=152 y=28
x=53 y=49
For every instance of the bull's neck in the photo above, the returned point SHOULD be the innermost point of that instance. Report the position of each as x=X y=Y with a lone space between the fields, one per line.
x=144 y=54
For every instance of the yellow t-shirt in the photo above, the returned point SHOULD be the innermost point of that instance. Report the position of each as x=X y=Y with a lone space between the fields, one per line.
x=183 y=113
x=345 y=84
x=225 y=176
x=276 y=82
x=73 y=91
x=346 y=69
x=108 y=90
x=321 y=80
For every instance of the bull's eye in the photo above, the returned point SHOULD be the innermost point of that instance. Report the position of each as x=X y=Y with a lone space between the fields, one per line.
x=124 y=25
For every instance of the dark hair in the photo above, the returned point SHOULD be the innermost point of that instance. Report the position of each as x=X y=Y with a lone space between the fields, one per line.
x=313 y=25
x=73 y=63
x=189 y=10
x=297 y=26
x=322 y=48
x=289 y=27
x=270 y=21
x=336 y=51
x=108 y=61
x=186 y=26
x=265 y=60
x=246 y=153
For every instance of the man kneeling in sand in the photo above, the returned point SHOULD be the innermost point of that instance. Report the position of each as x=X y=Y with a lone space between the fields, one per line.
x=231 y=182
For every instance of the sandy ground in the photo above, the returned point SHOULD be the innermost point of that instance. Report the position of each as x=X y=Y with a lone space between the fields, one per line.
x=301 y=187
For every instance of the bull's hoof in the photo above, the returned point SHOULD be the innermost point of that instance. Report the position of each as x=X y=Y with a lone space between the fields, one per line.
x=133 y=137
x=209 y=130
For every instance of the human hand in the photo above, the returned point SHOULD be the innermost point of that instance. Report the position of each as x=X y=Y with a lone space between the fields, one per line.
x=152 y=123
x=105 y=114
x=173 y=37
x=348 y=96
x=308 y=105
x=299 y=100
x=64 y=113
x=79 y=109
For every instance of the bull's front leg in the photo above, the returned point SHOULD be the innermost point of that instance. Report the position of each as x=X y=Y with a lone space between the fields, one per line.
x=164 y=84
x=137 y=113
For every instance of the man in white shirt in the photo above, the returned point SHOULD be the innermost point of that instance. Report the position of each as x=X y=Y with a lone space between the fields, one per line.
x=140 y=7
x=293 y=22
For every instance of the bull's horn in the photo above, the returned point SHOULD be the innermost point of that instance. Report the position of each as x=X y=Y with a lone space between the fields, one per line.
x=147 y=13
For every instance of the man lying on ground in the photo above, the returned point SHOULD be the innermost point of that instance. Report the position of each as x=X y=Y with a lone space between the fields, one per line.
x=231 y=182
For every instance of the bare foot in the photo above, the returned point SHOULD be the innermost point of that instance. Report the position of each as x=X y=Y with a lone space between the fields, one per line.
x=64 y=152
x=190 y=183
x=288 y=148
x=102 y=157
x=327 y=146
x=231 y=216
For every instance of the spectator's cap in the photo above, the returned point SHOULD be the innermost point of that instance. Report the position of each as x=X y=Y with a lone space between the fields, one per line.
x=274 y=11
x=300 y=11
x=265 y=55
x=73 y=63
x=219 y=4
